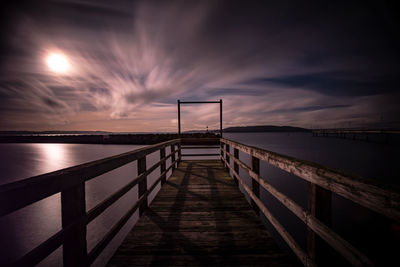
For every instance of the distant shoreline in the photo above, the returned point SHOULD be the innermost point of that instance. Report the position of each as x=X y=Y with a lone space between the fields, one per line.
x=264 y=128
x=236 y=129
x=123 y=139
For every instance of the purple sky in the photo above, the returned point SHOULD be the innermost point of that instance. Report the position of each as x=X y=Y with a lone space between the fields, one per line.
x=311 y=64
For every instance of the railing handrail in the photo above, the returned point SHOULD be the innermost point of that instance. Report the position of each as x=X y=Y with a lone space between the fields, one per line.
x=70 y=182
x=318 y=176
x=370 y=194
x=27 y=191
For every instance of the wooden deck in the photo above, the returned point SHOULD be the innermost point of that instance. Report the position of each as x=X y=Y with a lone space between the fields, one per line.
x=200 y=218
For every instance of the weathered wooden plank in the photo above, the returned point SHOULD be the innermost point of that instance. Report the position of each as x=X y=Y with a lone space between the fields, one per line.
x=173 y=156
x=200 y=219
x=163 y=165
x=24 y=192
x=338 y=243
x=255 y=186
x=142 y=187
x=73 y=208
x=200 y=141
x=300 y=253
x=367 y=193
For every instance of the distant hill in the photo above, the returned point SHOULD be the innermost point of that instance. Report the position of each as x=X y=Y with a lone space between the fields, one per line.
x=264 y=128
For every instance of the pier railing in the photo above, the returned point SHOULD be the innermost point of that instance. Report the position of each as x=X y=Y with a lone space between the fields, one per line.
x=70 y=182
x=322 y=182
x=200 y=143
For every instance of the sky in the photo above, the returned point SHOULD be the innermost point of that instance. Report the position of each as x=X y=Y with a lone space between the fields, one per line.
x=322 y=64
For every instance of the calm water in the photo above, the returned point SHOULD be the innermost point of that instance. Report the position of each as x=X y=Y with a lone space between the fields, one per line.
x=371 y=233
x=23 y=230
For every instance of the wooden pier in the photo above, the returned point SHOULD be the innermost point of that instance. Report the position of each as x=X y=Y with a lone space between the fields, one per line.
x=199 y=216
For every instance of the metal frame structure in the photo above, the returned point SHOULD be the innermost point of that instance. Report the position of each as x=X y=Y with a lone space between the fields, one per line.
x=200 y=102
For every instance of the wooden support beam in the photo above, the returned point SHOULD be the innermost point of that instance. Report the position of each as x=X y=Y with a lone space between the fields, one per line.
x=142 y=187
x=163 y=166
x=179 y=117
x=222 y=151
x=179 y=152
x=73 y=208
x=173 y=156
x=220 y=117
x=255 y=186
x=235 y=164
x=378 y=197
x=320 y=206
x=227 y=158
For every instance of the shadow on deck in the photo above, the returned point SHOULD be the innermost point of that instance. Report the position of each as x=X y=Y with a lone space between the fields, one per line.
x=200 y=218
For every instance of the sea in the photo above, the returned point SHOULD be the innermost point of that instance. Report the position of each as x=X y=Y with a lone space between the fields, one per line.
x=23 y=230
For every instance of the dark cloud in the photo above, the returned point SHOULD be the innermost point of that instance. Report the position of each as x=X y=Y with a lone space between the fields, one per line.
x=236 y=91
x=132 y=60
x=306 y=109
x=336 y=83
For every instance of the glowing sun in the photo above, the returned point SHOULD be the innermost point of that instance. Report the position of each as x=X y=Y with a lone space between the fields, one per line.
x=57 y=62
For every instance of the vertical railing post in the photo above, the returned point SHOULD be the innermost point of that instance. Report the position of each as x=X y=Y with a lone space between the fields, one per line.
x=179 y=152
x=319 y=205
x=227 y=157
x=220 y=117
x=173 y=156
x=73 y=208
x=179 y=117
x=235 y=165
x=255 y=186
x=222 y=152
x=163 y=165
x=142 y=188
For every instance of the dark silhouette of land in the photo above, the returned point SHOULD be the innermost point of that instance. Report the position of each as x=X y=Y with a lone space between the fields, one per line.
x=264 y=128
x=103 y=137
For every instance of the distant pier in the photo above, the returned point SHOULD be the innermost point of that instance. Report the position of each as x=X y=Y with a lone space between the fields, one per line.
x=377 y=136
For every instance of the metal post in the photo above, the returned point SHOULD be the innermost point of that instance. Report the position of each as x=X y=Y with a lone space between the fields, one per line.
x=220 y=117
x=179 y=117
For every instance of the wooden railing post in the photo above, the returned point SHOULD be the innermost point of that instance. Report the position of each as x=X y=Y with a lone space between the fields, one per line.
x=227 y=157
x=142 y=187
x=319 y=205
x=235 y=165
x=173 y=156
x=179 y=152
x=163 y=166
x=222 y=152
x=73 y=208
x=255 y=186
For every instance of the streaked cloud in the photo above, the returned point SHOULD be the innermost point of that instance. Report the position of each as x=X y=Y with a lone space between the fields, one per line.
x=130 y=61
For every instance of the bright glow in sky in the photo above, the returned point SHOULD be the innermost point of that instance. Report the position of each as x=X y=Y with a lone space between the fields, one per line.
x=57 y=62
x=121 y=65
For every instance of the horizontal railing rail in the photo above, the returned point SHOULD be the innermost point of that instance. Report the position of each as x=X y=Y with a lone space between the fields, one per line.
x=70 y=182
x=196 y=143
x=323 y=181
